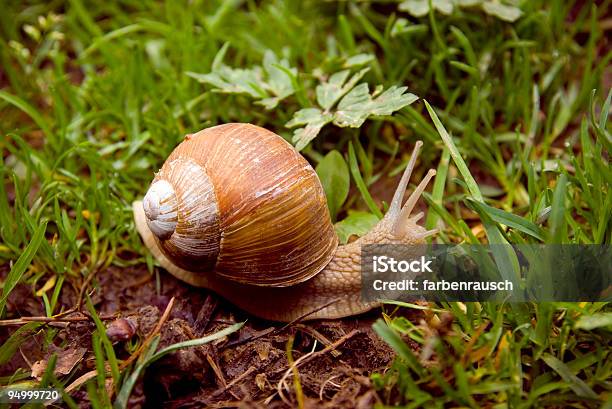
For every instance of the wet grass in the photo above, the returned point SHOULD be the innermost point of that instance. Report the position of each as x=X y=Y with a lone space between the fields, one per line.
x=93 y=97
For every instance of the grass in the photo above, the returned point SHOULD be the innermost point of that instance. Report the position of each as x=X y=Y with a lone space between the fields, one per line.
x=93 y=97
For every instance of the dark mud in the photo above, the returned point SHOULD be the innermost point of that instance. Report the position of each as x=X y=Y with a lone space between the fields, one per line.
x=248 y=369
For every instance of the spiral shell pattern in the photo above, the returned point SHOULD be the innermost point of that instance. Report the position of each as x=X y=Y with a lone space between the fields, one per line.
x=249 y=208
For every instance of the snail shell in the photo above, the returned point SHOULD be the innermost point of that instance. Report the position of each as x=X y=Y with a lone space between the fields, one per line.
x=238 y=201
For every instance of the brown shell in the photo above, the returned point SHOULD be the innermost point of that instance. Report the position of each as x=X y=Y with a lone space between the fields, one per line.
x=270 y=212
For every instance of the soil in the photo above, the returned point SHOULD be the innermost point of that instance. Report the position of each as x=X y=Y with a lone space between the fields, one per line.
x=243 y=369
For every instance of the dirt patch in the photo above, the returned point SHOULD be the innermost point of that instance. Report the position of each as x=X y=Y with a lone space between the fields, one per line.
x=249 y=368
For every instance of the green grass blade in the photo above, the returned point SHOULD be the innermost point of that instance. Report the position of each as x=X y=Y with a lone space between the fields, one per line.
x=392 y=338
x=108 y=346
x=126 y=390
x=591 y=322
x=454 y=152
x=576 y=384
x=196 y=342
x=437 y=192
x=151 y=356
x=556 y=220
x=11 y=345
x=354 y=167
x=508 y=219
x=22 y=264
x=28 y=109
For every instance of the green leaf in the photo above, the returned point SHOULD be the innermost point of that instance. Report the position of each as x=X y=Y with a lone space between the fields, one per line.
x=467 y=3
x=280 y=79
x=218 y=60
x=358 y=104
x=579 y=387
x=314 y=119
x=269 y=84
x=502 y=11
x=598 y=320
x=354 y=108
x=508 y=219
x=328 y=93
x=420 y=8
x=233 y=81
x=358 y=60
x=356 y=223
x=403 y=26
x=22 y=264
x=334 y=176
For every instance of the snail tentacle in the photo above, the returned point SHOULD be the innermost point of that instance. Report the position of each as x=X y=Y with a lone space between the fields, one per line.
x=404 y=216
x=398 y=196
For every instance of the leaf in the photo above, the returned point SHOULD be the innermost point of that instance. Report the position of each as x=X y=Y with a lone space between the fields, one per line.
x=334 y=176
x=467 y=3
x=508 y=219
x=358 y=104
x=599 y=320
x=443 y=6
x=67 y=359
x=579 y=387
x=419 y=8
x=280 y=79
x=502 y=11
x=269 y=84
x=22 y=264
x=328 y=93
x=357 y=223
x=403 y=26
x=358 y=60
x=233 y=81
x=314 y=119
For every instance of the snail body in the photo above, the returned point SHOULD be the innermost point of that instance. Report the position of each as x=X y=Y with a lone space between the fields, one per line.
x=236 y=209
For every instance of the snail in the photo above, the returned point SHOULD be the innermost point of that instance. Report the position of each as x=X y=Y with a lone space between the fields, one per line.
x=236 y=209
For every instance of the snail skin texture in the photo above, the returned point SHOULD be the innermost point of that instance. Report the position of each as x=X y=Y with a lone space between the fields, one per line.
x=236 y=209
